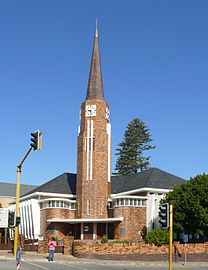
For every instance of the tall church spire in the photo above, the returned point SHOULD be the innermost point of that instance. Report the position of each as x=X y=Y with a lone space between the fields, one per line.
x=95 y=82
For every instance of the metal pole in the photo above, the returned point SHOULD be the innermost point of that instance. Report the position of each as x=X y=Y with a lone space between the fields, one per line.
x=170 y=235
x=17 y=208
x=17 y=201
x=185 y=253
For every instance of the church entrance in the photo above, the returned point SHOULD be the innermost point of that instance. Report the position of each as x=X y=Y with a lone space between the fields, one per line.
x=101 y=230
x=88 y=231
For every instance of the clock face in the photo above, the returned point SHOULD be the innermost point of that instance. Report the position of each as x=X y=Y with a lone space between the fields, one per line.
x=107 y=114
x=90 y=110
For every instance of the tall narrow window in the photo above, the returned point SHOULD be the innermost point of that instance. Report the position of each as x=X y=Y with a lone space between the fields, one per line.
x=101 y=207
x=93 y=142
x=88 y=207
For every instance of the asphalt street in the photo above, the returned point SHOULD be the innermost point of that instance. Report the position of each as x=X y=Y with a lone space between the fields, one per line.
x=31 y=265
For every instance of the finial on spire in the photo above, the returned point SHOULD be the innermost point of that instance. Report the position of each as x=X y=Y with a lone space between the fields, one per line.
x=96 y=31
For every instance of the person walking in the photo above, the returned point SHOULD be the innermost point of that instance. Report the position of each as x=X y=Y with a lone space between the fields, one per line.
x=51 y=246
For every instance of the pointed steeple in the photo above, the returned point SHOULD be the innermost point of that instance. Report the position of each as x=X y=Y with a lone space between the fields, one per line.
x=95 y=82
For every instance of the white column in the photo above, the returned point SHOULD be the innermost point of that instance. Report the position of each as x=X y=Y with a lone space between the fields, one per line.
x=94 y=231
x=30 y=219
x=24 y=220
x=88 y=128
x=150 y=212
x=21 y=219
x=27 y=220
x=109 y=151
x=82 y=231
x=91 y=149
x=35 y=207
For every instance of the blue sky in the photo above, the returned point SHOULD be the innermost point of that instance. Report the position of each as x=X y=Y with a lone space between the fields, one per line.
x=154 y=61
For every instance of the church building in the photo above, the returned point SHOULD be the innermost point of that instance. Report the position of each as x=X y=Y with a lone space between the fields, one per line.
x=92 y=203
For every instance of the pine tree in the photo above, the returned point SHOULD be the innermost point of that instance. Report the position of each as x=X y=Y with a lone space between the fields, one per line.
x=136 y=140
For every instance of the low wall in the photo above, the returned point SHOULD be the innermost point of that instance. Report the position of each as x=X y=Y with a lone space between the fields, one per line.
x=86 y=248
x=81 y=248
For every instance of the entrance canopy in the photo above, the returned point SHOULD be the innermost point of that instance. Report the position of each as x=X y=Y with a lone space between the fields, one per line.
x=86 y=220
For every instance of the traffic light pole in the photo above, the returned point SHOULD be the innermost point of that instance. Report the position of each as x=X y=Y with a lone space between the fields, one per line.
x=17 y=200
x=170 y=234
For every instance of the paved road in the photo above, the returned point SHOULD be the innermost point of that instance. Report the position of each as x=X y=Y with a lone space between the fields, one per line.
x=31 y=265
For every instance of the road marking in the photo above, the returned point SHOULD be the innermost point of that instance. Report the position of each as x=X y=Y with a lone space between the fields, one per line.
x=37 y=265
x=72 y=265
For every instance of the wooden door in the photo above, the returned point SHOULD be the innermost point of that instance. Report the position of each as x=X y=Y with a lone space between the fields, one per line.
x=88 y=231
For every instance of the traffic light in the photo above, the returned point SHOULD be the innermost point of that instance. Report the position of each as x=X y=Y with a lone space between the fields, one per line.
x=11 y=219
x=18 y=221
x=164 y=215
x=35 y=140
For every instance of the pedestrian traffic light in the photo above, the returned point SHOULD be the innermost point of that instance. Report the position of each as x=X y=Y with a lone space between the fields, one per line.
x=11 y=219
x=35 y=140
x=164 y=215
x=18 y=221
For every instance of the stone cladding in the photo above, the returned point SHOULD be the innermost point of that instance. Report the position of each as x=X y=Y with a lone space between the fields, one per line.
x=68 y=243
x=60 y=229
x=80 y=248
x=134 y=223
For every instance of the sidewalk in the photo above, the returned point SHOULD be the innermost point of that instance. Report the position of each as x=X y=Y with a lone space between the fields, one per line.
x=128 y=260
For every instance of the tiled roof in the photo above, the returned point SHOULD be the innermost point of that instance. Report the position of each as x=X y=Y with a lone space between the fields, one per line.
x=9 y=190
x=62 y=184
x=151 y=178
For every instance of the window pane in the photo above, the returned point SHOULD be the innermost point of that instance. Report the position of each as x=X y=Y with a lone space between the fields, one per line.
x=122 y=231
x=62 y=204
x=122 y=201
x=131 y=201
x=126 y=202
x=135 y=202
x=143 y=202
x=53 y=203
x=49 y=204
x=57 y=203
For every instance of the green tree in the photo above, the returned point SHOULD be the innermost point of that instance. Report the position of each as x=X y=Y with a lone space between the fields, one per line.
x=137 y=139
x=191 y=206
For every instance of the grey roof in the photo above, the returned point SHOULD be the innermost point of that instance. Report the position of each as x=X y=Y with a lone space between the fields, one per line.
x=9 y=190
x=62 y=184
x=151 y=178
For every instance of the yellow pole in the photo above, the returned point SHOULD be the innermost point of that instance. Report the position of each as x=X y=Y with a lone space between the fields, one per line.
x=17 y=201
x=17 y=208
x=170 y=235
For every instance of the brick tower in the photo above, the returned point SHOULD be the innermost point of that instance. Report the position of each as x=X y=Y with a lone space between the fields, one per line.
x=94 y=147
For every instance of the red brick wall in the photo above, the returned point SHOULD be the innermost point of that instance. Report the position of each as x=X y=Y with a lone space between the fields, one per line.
x=134 y=222
x=60 y=229
x=98 y=188
x=82 y=248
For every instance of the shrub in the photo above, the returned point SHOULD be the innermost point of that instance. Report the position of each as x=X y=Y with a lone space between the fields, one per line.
x=122 y=241
x=104 y=239
x=157 y=237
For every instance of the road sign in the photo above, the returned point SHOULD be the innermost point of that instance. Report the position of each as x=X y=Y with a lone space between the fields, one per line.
x=3 y=217
x=18 y=254
x=18 y=266
x=185 y=238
